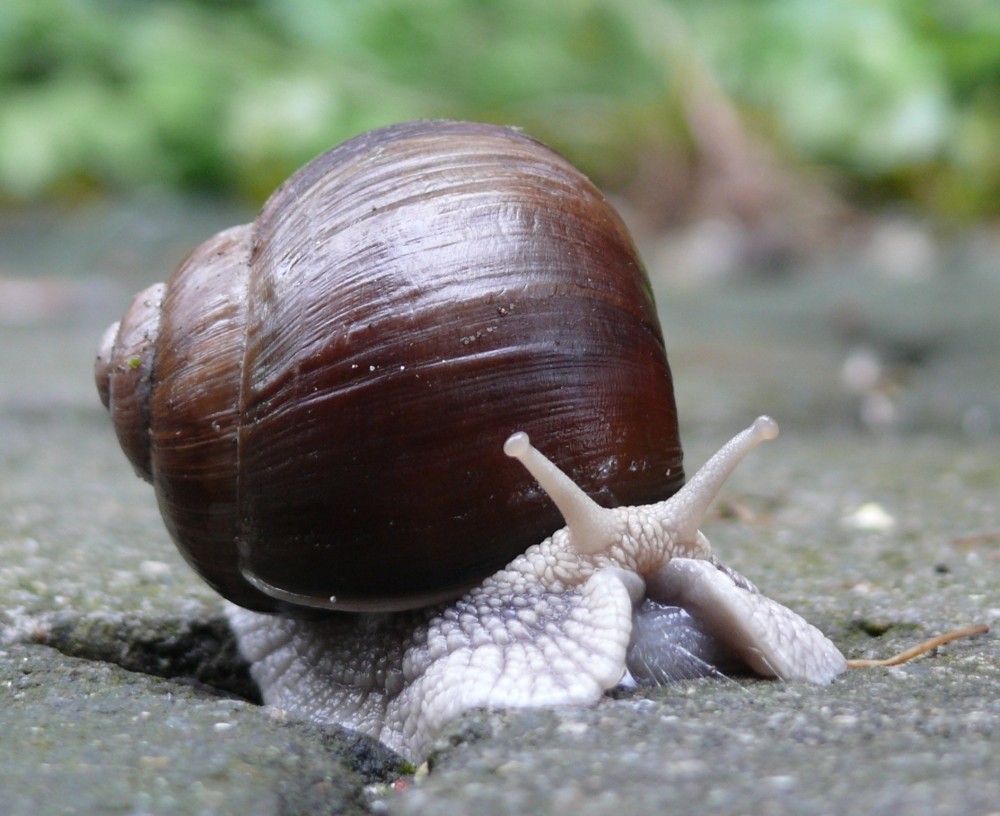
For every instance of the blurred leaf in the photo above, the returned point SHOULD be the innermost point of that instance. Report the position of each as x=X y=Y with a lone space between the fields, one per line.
x=900 y=97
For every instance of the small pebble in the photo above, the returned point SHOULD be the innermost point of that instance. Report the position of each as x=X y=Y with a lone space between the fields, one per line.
x=871 y=517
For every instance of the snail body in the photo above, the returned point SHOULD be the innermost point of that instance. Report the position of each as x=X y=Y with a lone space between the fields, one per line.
x=321 y=399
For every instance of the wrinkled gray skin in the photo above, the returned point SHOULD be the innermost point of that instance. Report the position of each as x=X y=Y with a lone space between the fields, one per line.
x=622 y=595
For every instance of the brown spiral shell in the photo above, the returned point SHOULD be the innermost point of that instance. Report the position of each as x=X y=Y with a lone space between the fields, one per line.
x=320 y=398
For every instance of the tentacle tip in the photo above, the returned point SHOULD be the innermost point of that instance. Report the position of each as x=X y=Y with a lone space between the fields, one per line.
x=517 y=445
x=765 y=427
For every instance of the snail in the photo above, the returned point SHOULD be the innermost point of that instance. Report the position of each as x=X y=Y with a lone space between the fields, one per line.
x=338 y=406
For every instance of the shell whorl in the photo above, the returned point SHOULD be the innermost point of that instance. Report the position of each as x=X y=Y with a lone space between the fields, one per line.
x=123 y=372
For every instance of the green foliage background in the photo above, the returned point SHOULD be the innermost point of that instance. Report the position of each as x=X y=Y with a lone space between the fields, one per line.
x=899 y=100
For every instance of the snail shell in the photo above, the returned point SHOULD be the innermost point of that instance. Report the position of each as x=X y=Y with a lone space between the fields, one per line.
x=320 y=397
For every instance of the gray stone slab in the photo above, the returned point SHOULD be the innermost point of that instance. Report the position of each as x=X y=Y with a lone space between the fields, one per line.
x=86 y=737
x=101 y=620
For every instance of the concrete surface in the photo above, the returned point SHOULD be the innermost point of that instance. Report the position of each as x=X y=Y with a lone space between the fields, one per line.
x=120 y=691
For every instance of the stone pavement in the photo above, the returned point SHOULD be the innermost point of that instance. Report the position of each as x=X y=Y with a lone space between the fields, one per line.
x=120 y=690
